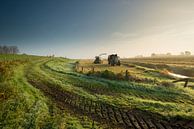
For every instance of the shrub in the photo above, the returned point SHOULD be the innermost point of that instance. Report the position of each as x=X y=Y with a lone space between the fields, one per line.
x=120 y=76
x=108 y=74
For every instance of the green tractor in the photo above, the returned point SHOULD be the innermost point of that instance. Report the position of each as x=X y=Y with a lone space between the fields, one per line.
x=114 y=60
x=98 y=59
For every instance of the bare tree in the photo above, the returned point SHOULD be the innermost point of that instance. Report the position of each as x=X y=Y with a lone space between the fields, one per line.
x=1 y=50
x=14 y=50
x=9 y=49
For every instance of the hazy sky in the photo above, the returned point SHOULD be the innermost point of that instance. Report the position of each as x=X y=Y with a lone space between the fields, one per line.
x=85 y=28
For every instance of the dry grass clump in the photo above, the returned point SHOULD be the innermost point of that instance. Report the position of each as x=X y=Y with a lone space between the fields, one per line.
x=166 y=84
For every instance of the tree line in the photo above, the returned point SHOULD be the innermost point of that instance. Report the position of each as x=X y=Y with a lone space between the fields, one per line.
x=185 y=53
x=9 y=49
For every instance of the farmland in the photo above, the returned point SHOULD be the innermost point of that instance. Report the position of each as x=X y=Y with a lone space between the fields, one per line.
x=53 y=92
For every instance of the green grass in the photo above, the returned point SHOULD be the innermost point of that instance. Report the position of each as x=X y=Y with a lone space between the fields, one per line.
x=168 y=101
x=25 y=106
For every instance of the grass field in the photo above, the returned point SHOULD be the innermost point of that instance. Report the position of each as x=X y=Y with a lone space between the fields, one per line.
x=45 y=92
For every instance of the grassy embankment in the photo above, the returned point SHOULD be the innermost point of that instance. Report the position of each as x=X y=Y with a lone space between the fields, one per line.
x=24 y=106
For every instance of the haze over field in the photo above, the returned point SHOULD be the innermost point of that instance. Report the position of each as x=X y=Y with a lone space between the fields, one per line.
x=97 y=86
x=83 y=29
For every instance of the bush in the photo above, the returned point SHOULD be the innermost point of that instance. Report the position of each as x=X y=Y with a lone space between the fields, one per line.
x=120 y=76
x=108 y=74
x=105 y=74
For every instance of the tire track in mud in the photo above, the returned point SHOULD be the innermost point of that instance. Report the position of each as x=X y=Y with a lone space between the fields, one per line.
x=114 y=117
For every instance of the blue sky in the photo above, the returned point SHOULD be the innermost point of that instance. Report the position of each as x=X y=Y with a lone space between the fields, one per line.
x=85 y=28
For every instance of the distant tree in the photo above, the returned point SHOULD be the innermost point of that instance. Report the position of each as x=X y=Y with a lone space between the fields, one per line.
x=187 y=53
x=15 y=50
x=153 y=54
x=1 y=50
x=5 y=50
x=168 y=54
x=182 y=53
x=9 y=50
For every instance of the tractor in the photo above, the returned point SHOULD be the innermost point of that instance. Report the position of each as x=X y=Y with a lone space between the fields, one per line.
x=98 y=59
x=114 y=60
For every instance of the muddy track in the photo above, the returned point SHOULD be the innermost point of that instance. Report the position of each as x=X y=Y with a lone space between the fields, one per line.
x=110 y=115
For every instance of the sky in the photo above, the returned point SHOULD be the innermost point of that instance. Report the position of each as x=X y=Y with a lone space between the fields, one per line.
x=86 y=28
